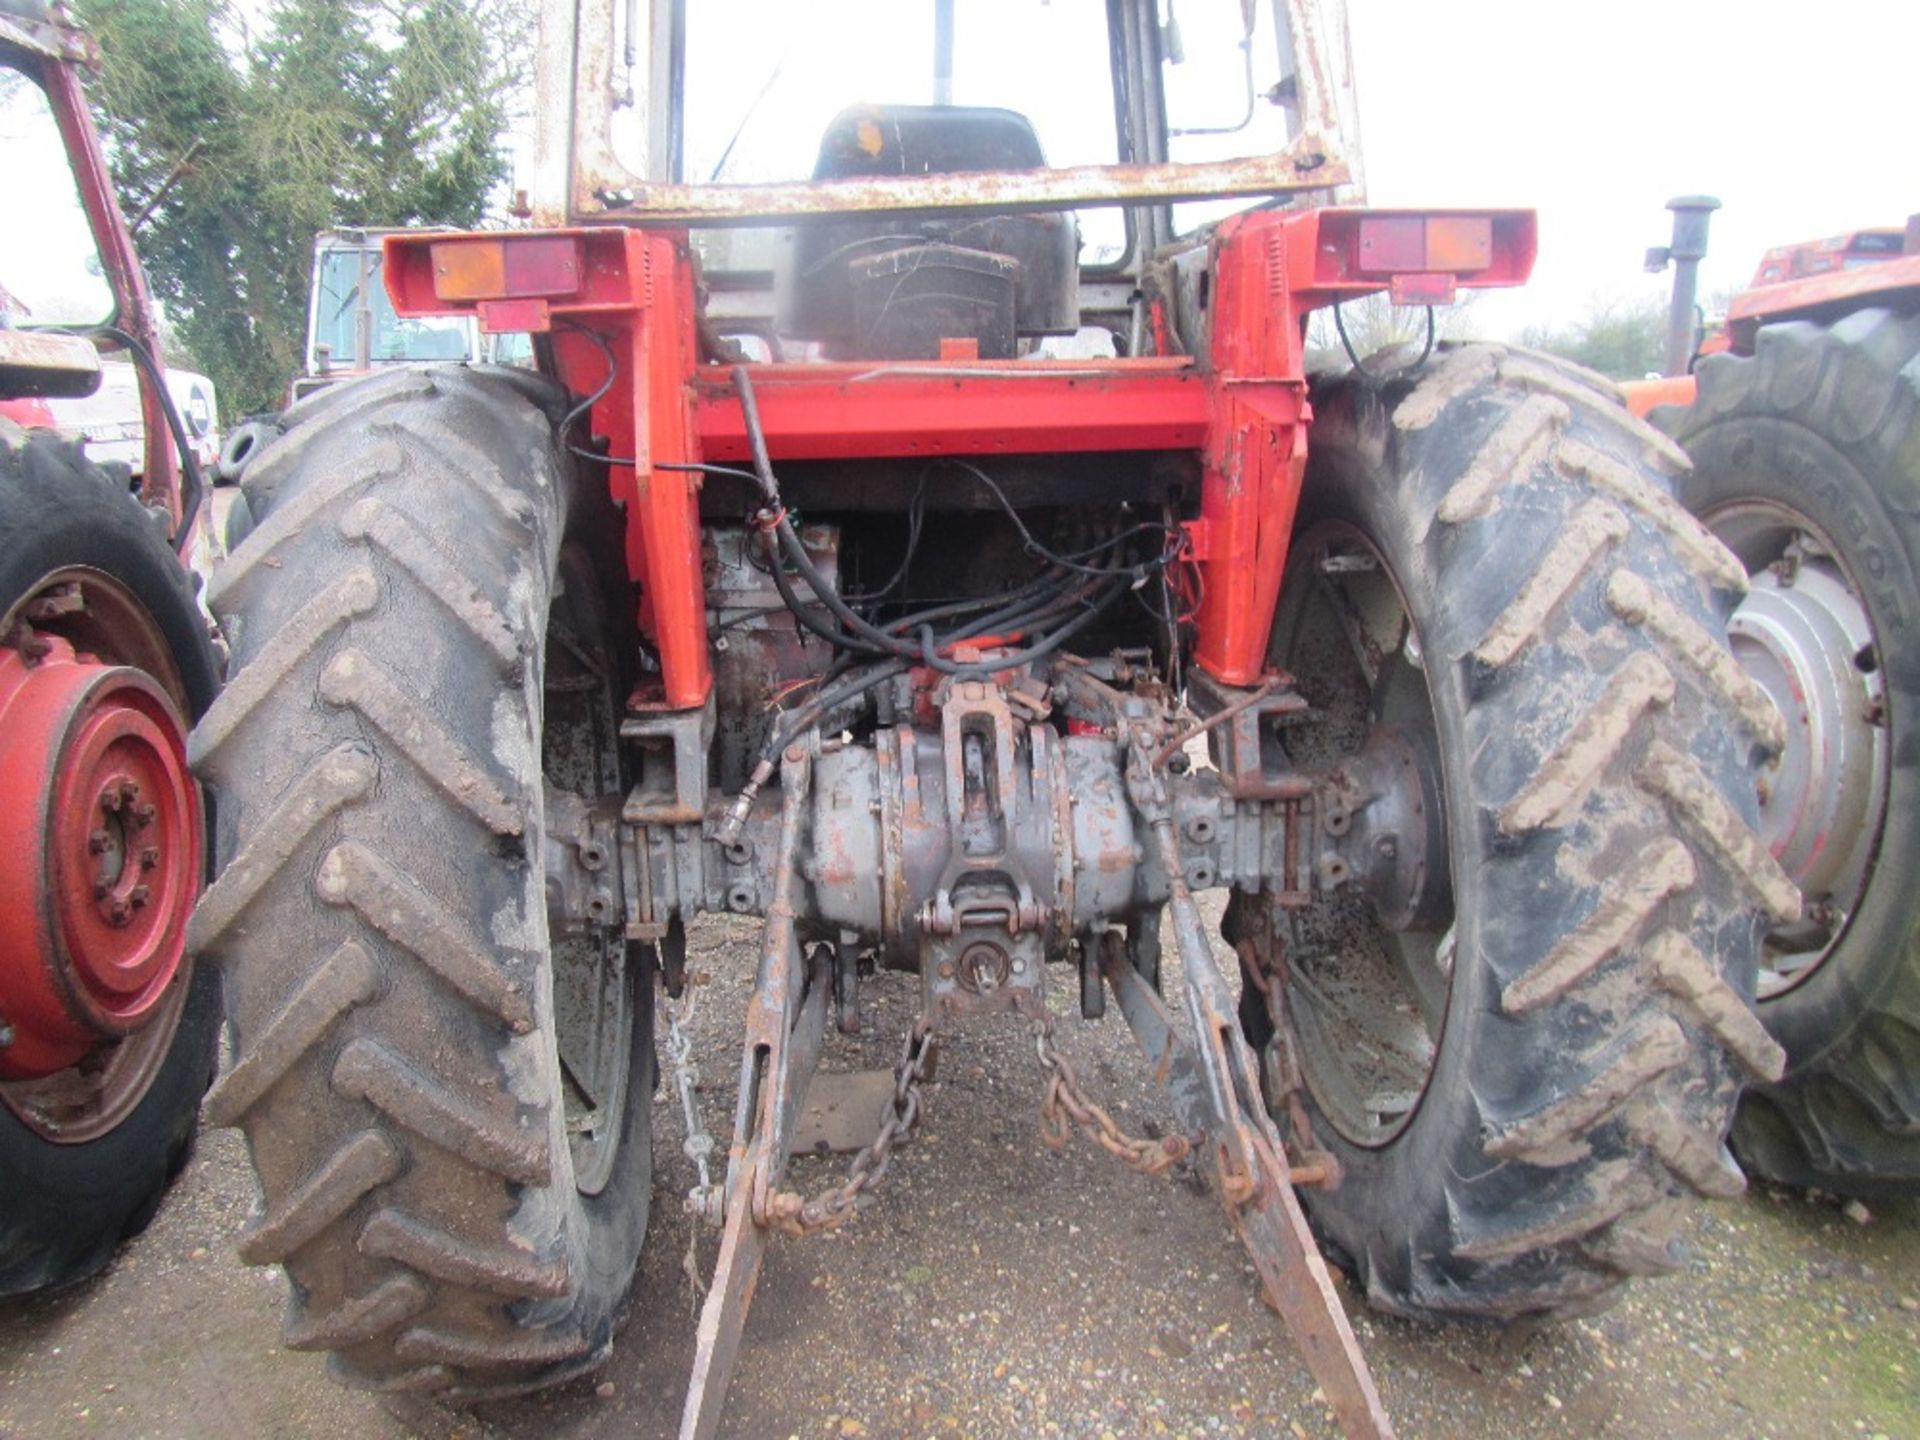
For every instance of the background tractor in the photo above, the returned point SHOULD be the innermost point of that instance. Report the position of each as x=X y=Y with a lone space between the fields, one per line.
x=352 y=329
x=876 y=548
x=107 y=1027
x=1804 y=427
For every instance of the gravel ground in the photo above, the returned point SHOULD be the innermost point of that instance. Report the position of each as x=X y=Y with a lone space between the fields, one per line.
x=996 y=1289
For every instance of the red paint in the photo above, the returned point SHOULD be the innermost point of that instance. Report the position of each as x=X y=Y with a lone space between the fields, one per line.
x=1821 y=297
x=505 y=317
x=28 y=414
x=842 y=412
x=1424 y=288
x=1643 y=396
x=1242 y=406
x=100 y=854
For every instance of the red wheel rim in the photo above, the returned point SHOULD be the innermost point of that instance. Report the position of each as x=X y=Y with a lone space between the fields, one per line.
x=101 y=856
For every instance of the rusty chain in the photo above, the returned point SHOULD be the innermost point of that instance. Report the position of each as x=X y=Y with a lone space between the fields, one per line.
x=1317 y=1165
x=703 y=1197
x=829 y=1210
x=1064 y=1106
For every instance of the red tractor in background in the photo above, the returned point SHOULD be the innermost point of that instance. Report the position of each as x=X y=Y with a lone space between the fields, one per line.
x=873 y=550
x=1802 y=417
x=108 y=1028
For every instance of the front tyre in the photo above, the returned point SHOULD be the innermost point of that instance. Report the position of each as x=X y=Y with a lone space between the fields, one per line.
x=442 y=1067
x=1531 y=1055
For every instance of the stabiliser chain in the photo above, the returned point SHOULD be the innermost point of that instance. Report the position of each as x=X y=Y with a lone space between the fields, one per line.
x=1213 y=1081
x=791 y=1215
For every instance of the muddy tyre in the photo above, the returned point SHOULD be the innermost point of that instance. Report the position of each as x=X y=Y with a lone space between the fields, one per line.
x=445 y=1096
x=1807 y=463
x=88 y=1154
x=1527 y=1074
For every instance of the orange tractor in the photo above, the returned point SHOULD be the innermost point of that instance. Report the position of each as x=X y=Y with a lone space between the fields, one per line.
x=107 y=1027
x=1803 y=422
x=945 y=555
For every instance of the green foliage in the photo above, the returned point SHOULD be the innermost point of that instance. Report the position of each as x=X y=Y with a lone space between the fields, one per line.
x=333 y=112
x=1621 y=341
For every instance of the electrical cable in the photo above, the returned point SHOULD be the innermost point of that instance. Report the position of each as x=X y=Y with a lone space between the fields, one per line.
x=192 y=486
x=586 y=405
x=1340 y=325
x=774 y=516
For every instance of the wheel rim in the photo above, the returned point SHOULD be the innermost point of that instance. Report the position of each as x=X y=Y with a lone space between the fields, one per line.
x=594 y=1010
x=100 y=855
x=1368 y=968
x=1804 y=635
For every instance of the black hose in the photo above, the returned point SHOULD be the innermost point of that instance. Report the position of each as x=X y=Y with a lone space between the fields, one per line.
x=192 y=487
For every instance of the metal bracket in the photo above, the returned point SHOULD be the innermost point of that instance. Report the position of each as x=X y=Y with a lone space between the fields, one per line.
x=786 y=1027
x=1215 y=1089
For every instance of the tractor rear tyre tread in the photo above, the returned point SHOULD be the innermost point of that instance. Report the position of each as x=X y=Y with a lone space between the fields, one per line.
x=1825 y=420
x=64 y=1208
x=1597 y=748
x=380 y=919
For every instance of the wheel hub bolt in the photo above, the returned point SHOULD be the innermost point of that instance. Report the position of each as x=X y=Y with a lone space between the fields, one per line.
x=120 y=912
x=110 y=800
x=149 y=857
x=97 y=842
x=144 y=815
x=139 y=896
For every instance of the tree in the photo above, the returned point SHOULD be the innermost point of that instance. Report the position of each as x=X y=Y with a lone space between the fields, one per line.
x=1622 y=340
x=334 y=112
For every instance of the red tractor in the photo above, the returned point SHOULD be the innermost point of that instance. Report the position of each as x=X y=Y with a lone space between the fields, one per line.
x=873 y=551
x=107 y=1027
x=1804 y=428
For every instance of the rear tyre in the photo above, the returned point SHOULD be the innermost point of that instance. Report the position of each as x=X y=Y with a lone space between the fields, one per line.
x=1807 y=462
x=1528 y=1067
x=445 y=1089
x=88 y=1153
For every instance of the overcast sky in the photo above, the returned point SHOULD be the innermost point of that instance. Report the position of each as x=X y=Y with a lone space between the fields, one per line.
x=1802 y=117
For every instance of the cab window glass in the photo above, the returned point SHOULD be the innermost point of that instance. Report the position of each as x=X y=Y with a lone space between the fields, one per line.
x=1219 y=88
x=765 y=78
x=50 y=272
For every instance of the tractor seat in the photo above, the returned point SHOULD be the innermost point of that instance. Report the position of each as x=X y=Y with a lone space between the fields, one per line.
x=892 y=287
